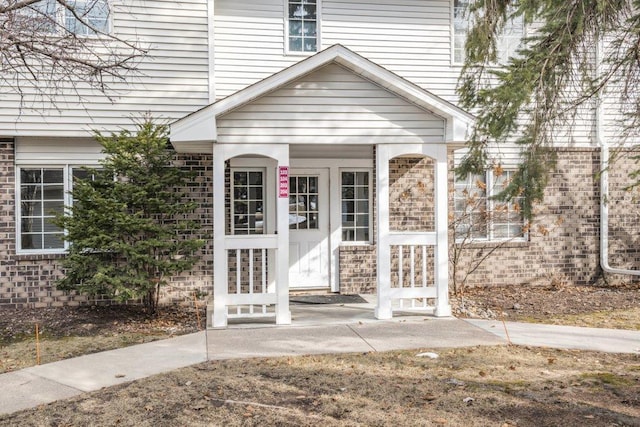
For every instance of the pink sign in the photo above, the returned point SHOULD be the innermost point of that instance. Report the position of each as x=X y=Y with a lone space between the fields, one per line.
x=283 y=181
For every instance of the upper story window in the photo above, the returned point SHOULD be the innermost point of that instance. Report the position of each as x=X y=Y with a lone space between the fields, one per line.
x=82 y=17
x=302 y=25
x=92 y=12
x=478 y=217
x=507 y=45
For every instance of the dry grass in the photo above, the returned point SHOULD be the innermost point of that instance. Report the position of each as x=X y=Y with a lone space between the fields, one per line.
x=480 y=386
x=614 y=319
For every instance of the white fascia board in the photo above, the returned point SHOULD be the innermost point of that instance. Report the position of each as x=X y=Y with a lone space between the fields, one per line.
x=196 y=127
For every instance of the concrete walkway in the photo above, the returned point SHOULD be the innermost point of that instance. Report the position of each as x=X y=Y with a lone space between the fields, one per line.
x=316 y=329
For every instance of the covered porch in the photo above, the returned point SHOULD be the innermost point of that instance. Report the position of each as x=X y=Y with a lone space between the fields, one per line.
x=303 y=174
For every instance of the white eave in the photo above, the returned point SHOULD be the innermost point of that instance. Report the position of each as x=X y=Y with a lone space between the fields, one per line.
x=197 y=131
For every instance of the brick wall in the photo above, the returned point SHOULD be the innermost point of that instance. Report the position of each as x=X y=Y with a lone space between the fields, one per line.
x=624 y=213
x=29 y=280
x=563 y=244
x=411 y=208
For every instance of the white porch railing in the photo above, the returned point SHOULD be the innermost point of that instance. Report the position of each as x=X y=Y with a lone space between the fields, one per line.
x=412 y=270
x=251 y=290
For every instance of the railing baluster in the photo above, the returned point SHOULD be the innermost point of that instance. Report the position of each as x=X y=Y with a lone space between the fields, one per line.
x=251 y=278
x=238 y=276
x=412 y=260
x=424 y=266
x=264 y=276
x=400 y=272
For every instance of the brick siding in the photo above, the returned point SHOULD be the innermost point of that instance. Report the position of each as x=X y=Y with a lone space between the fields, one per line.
x=29 y=280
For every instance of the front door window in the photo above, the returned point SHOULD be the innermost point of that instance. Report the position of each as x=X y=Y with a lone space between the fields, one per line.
x=303 y=203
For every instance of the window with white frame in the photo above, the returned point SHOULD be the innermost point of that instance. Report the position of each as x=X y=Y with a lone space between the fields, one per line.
x=303 y=202
x=82 y=17
x=43 y=194
x=302 y=25
x=355 y=189
x=247 y=204
x=508 y=43
x=478 y=216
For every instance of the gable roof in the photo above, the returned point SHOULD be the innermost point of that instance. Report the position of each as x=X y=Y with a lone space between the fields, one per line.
x=189 y=132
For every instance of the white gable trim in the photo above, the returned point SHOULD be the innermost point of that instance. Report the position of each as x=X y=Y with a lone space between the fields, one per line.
x=199 y=128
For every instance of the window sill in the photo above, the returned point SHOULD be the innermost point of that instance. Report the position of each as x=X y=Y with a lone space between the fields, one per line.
x=357 y=245
x=301 y=54
x=520 y=243
x=39 y=256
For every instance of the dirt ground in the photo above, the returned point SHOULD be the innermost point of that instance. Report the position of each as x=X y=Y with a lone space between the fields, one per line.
x=482 y=386
x=73 y=331
x=615 y=307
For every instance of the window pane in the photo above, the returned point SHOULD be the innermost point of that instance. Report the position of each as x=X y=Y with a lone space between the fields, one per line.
x=31 y=208
x=53 y=241
x=31 y=192
x=295 y=28
x=348 y=178
x=240 y=193
x=255 y=178
x=362 y=193
x=53 y=207
x=31 y=225
x=309 y=29
x=29 y=176
x=50 y=227
x=255 y=193
x=309 y=11
x=31 y=241
x=310 y=45
x=240 y=178
x=295 y=44
x=362 y=234
x=53 y=192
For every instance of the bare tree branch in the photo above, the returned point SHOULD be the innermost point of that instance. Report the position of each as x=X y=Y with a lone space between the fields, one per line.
x=53 y=49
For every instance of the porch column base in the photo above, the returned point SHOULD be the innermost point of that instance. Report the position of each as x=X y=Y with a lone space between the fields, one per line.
x=443 y=311
x=283 y=318
x=219 y=317
x=383 y=313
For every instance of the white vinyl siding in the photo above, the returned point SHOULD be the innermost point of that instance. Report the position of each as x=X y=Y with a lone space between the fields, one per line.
x=411 y=38
x=329 y=106
x=173 y=79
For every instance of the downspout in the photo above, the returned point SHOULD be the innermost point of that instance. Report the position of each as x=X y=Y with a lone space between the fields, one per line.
x=604 y=179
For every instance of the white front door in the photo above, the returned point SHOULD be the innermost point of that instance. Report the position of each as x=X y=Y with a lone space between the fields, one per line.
x=309 y=265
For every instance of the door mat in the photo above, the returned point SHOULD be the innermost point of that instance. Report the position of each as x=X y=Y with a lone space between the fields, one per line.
x=327 y=299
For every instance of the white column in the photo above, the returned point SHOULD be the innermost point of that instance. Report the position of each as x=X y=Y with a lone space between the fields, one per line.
x=383 y=309
x=283 y=314
x=441 y=185
x=220 y=285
